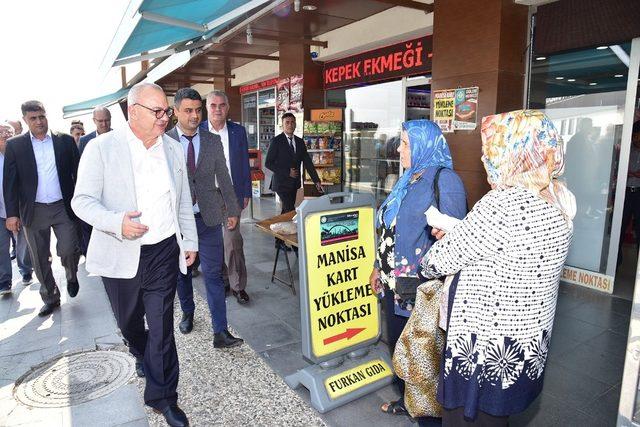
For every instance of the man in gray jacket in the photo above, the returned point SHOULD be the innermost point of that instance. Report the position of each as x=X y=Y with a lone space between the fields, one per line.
x=133 y=189
x=212 y=195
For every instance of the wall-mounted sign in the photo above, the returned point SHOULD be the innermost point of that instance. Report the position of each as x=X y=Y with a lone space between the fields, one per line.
x=257 y=86
x=327 y=115
x=409 y=58
x=444 y=109
x=466 y=108
x=456 y=109
x=589 y=279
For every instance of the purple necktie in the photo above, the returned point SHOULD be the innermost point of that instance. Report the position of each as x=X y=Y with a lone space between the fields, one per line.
x=191 y=163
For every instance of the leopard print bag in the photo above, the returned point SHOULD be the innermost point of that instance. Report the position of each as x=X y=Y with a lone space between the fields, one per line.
x=416 y=358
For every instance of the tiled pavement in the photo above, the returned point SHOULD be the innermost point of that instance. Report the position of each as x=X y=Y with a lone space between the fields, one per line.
x=581 y=388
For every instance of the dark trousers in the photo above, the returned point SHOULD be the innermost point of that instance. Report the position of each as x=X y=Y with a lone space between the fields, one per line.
x=211 y=253
x=288 y=199
x=151 y=292
x=23 y=258
x=85 y=236
x=38 y=233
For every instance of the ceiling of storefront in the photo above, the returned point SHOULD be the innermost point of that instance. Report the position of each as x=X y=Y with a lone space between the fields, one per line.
x=282 y=24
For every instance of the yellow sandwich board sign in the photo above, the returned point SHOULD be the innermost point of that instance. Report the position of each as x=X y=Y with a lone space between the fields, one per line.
x=340 y=314
x=343 y=310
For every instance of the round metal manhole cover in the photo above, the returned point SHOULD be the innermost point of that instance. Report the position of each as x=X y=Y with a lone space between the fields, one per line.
x=74 y=379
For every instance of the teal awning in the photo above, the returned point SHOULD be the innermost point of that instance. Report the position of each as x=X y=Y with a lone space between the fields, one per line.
x=86 y=106
x=153 y=24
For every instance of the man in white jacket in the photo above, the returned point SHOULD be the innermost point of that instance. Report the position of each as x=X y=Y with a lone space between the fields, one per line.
x=133 y=189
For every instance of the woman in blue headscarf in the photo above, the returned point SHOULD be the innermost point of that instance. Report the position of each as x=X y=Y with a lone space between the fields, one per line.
x=404 y=235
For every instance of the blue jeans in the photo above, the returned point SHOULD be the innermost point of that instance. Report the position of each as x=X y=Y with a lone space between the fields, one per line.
x=5 y=256
x=23 y=257
x=211 y=253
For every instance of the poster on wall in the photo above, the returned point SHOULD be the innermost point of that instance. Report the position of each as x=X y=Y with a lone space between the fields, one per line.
x=295 y=93
x=289 y=99
x=282 y=96
x=444 y=109
x=466 y=108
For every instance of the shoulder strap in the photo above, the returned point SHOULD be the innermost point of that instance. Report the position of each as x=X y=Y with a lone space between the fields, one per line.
x=436 y=188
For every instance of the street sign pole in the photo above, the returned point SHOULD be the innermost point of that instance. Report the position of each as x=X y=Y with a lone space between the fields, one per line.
x=340 y=313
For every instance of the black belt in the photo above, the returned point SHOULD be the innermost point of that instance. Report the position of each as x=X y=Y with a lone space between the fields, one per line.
x=197 y=215
x=633 y=189
x=50 y=204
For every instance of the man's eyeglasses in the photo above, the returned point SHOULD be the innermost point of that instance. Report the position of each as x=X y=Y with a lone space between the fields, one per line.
x=158 y=112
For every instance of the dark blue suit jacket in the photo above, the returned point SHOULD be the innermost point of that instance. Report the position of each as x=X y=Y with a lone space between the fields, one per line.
x=239 y=159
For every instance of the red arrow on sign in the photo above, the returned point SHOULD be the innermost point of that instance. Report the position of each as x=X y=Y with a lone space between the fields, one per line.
x=348 y=334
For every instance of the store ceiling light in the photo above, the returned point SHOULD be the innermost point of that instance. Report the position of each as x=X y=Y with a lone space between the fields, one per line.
x=593 y=84
x=619 y=75
x=602 y=47
x=571 y=80
x=541 y=58
x=309 y=7
x=559 y=78
x=296 y=5
x=249 y=35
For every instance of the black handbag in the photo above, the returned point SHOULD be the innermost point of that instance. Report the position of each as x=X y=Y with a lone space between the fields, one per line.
x=406 y=287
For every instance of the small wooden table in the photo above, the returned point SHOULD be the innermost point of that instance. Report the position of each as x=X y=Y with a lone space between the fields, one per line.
x=289 y=240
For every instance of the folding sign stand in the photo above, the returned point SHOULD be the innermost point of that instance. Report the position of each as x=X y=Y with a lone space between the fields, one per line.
x=340 y=313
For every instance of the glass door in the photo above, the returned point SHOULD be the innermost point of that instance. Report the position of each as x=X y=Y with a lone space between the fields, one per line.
x=584 y=93
x=629 y=409
x=373 y=119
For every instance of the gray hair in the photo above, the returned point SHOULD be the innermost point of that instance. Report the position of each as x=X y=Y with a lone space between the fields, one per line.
x=136 y=90
x=101 y=109
x=219 y=93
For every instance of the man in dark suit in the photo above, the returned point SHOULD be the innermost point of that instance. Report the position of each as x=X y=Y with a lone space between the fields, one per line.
x=214 y=206
x=285 y=154
x=236 y=152
x=102 y=120
x=40 y=172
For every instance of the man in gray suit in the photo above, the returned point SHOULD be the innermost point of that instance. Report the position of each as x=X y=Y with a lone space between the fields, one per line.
x=212 y=196
x=133 y=189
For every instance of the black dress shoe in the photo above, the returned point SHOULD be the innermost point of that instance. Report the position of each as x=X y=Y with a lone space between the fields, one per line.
x=186 y=324
x=139 y=368
x=241 y=296
x=174 y=416
x=72 y=288
x=225 y=340
x=48 y=309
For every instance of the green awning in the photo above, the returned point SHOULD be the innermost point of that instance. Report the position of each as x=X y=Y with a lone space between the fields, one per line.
x=88 y=105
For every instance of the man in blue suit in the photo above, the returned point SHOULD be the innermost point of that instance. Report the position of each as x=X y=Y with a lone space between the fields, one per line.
x=236 y=152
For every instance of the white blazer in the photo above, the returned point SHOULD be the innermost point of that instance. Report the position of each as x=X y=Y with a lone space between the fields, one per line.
x=105 y=190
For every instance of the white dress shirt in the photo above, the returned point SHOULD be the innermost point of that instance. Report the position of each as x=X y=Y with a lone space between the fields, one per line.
x=196 y=149
x=153 y=189
x=224 y=136
x=48 y=190
x=3 y=209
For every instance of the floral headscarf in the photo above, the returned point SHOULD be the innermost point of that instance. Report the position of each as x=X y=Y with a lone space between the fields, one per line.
x=524 y=149
x=428 y=148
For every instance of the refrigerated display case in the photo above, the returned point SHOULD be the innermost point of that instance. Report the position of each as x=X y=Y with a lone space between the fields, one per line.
x=249 y=119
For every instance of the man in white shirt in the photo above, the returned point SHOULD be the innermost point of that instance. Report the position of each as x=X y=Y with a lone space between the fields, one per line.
x=6 y=132
x=134 y=191
x=236 y=153
x=39 y=178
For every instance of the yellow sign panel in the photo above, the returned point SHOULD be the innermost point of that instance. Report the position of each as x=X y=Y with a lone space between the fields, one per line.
x=353 y=379
x=343 y=310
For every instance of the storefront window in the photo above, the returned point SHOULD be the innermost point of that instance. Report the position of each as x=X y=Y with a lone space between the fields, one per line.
x=373 y=119
x=583 y=92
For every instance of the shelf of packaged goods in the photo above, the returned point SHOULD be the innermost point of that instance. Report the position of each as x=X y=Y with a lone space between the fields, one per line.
x=319 y=150
x=324 y=166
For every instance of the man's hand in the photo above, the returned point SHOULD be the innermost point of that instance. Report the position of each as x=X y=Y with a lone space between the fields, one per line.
x=319 y=187
x=246 y=202
x=232 y=222
x=190 y=257
x=294 y=173
x=437 y=233
x=131 y=229
x=13 y=224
